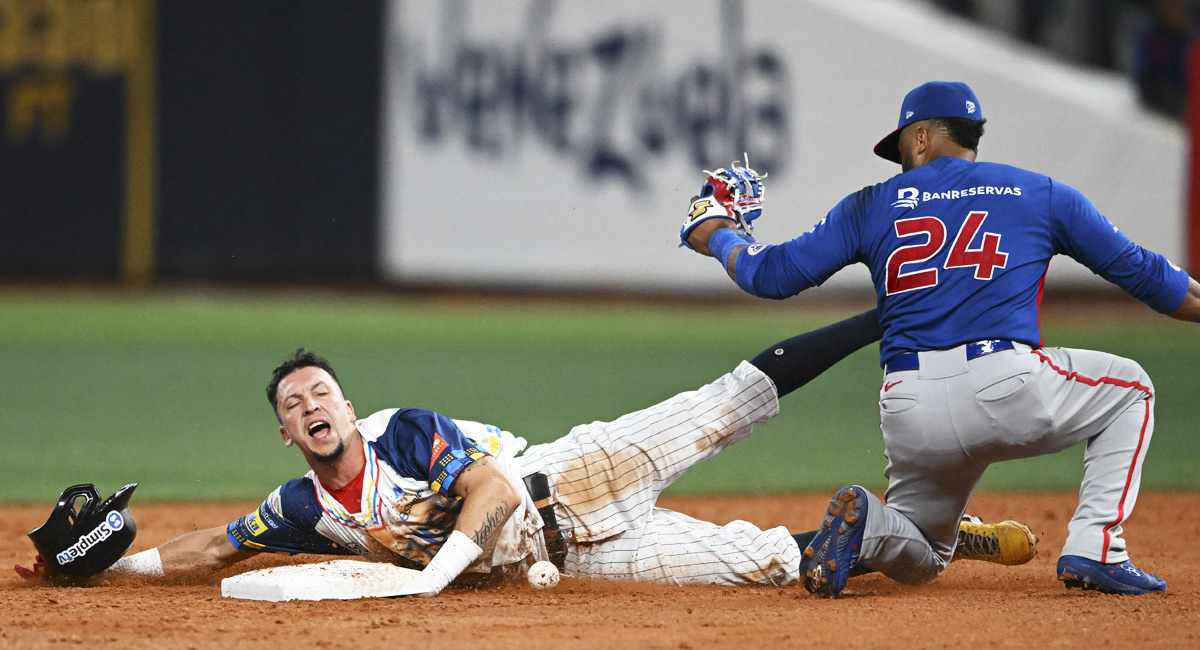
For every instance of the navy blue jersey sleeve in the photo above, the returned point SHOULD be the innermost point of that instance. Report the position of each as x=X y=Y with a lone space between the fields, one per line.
x=784 y=270
x=284 y=523
x=427 y=446
x=1085 y=235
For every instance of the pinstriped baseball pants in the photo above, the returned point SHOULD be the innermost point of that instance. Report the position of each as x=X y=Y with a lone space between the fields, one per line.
x=946 y=422
x=606 y=477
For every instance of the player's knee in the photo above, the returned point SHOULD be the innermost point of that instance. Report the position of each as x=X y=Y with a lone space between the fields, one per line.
x=1138 y=377
x=918 y=575
x=922 y=565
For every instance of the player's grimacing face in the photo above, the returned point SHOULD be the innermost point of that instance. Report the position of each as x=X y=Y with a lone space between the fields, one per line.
x=314 y=414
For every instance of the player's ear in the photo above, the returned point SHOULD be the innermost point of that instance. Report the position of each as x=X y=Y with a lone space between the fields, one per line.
x=350 y=410
x=921 y=137
x=287 y=441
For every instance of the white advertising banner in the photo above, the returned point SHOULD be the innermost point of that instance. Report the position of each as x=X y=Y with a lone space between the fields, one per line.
x=556 y=143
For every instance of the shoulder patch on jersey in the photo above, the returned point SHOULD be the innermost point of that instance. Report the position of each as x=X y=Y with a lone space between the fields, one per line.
x=439 y=446
x=755 y=249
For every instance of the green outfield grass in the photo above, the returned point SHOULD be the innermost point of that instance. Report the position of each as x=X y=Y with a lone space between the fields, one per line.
x=168 y=389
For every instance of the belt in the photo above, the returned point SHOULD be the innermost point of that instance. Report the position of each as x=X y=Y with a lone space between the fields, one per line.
x=539 y=488
x=911 y=360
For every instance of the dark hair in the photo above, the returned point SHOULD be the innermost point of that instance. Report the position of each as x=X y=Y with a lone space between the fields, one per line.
x=299 y=359
x=963 y=131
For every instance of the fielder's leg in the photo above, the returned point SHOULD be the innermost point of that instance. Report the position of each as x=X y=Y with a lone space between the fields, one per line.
x=1109 y=402
x=941 y=428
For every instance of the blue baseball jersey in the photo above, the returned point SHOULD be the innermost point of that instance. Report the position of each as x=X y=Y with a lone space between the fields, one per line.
x=958 y=252
x=407 y=510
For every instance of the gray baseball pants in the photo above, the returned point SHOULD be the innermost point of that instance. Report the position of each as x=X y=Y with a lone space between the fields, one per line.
x=944 y=423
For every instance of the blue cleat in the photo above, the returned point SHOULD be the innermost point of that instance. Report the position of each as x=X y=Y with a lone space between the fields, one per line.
x=833 y=552
x=1123 y=578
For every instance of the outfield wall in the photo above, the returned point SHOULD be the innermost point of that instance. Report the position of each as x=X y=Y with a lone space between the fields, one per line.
x=547 y=144
x=215 y=140
x=556 y=144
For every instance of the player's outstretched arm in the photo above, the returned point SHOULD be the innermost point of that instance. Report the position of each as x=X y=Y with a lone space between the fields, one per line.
x=202 y=550
x=488 y=499
x=1190 y=309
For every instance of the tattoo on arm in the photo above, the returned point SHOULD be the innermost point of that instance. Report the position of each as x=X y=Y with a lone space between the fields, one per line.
x=478 y=463
x=468 y=468
x=493 y=521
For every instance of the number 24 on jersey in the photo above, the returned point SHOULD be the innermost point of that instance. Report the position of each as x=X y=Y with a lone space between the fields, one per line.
x=984 y=259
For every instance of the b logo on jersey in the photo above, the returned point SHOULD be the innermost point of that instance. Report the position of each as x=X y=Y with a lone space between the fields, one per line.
x=908 y=198
x=755 y=249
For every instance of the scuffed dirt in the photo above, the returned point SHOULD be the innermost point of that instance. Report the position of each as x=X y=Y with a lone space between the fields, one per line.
x=974 y=604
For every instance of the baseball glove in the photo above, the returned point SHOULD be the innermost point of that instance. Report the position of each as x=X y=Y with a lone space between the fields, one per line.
x=735 y=194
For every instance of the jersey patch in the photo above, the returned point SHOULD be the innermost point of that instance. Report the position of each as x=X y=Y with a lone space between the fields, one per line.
x=908 y=198
x=439 y=447
x=453 y=462
x=255 y=525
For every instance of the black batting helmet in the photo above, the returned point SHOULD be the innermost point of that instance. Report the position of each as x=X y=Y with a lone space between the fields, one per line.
x=87 y=540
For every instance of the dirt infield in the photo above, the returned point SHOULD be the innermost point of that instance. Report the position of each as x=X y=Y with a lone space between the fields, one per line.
x=973 y=605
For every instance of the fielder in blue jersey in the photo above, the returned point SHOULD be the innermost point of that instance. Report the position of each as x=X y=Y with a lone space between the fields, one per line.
x=958 y=251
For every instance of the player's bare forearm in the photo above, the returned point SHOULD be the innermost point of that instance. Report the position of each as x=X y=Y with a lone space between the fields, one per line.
x=489 y=499
x=698 y=239
x=1190 y=309
x=206 y=549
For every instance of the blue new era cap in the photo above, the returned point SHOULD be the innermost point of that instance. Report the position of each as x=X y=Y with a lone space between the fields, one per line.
x=925 y=102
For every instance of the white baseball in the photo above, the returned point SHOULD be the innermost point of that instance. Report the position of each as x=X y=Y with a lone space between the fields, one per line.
x=542 y=575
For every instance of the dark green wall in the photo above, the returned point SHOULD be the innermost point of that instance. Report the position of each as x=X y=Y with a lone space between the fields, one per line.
x=266 y=119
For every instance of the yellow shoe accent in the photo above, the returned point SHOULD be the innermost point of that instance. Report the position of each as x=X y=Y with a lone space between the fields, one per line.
x=1009 y=542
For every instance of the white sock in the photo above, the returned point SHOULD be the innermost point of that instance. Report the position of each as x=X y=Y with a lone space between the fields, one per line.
x=144 y=563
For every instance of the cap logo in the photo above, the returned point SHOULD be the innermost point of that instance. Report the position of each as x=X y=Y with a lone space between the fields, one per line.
x=970 y=107
x=908 y=115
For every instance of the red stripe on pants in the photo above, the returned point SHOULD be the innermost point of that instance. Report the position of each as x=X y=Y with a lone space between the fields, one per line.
x=1074 y=376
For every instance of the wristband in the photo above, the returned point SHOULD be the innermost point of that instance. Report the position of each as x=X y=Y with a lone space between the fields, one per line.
x=723 y=241
x=453 y=558
x=144 y=563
